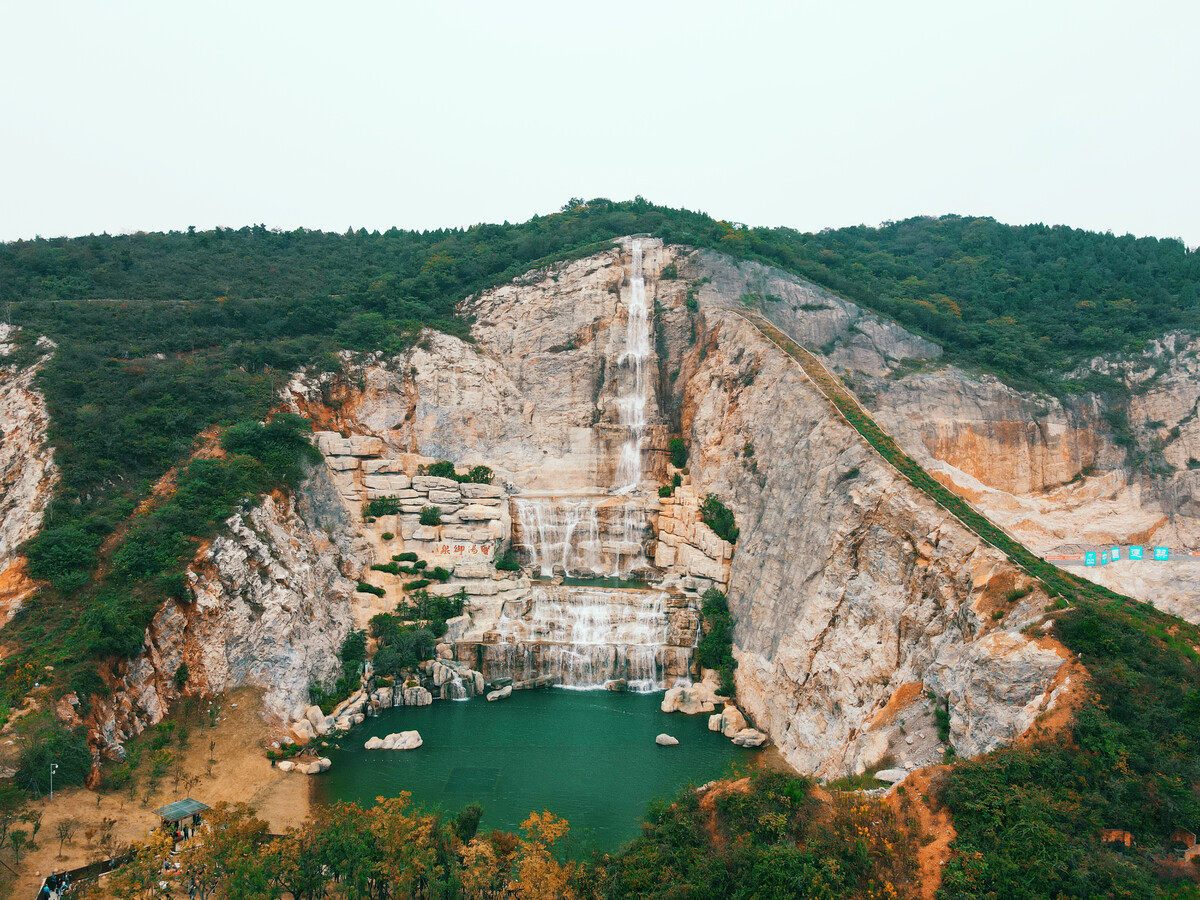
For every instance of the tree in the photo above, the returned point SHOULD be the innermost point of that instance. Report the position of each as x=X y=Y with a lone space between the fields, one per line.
x=66 y=832
x=227 y=839
x=18 y=839
x=141 y=875
x=12 y=810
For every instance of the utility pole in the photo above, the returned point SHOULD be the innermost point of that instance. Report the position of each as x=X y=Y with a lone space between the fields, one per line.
x=53 y=769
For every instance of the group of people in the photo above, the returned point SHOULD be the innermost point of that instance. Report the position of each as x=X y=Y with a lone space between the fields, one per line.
x=55 y=886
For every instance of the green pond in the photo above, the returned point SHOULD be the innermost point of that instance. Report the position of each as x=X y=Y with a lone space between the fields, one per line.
x=588 y=756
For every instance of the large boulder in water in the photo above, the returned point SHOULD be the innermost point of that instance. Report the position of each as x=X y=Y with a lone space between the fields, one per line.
x=402 y=740
x=690 y=699
x=500 y=694
x=749 y=737
x=665 y=740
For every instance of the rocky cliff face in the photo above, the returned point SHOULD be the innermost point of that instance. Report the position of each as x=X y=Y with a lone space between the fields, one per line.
x=855 y=596
x=861 y=606
x=27 y=472
x=1055 y=475
x=271 y=607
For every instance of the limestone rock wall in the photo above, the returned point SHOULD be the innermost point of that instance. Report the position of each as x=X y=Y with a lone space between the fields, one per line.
x=846 y=583
x=272 y=605
x=27 y=470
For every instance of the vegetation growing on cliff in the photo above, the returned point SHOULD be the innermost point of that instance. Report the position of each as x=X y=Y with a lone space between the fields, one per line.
x=1029 y=819
x=715 y=650
x=719 y=517
x=85 y=614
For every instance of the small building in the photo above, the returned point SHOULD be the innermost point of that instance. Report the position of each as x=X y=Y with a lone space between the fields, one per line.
x=181 y=816
x=1116 y=836
x=1187 y=840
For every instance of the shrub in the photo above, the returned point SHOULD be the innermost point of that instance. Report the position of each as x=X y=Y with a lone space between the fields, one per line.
x=441 y=469
x=391 y=568
x=45 y=741
x=679 y=453
x=417 y=585
x=445 y=469
x=181 y=676
x=405 y=557
x=508 y=562
x=479 y=475
x=717 y=516
x=370 y=589
x=715 y=650
x=669 y=272
x=439 y=573
x=431 y=515
x=381 y=506
x=666 y=490
x=387 y=536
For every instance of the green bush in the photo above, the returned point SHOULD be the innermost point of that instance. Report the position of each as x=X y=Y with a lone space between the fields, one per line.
x=715 y=650
x=391 y=568
x=431 y=515
x=717 y=516
x=354 y=650
x=370 y=589
x=439 y=574
x=181 y=676
x=669 y=272
x=445 y=469
x=44 y=741
x=417 y=585
x=381 y=506
x=386 y=536
x=508 y=562
x=679 y=452
x=666 y=490
x=405 y=557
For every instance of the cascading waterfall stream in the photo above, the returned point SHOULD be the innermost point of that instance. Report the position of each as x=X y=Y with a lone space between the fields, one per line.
x=631 y=404
x=583 y=636
x=587 y=636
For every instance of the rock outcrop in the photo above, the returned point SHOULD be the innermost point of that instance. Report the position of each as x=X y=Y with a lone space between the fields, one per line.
x=27 y=470
x=271 y=607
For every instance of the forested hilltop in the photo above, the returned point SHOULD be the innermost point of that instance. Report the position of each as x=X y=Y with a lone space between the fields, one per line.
x=1027 y=303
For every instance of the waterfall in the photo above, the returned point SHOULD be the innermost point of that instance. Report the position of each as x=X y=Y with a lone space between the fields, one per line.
x=564 y=533
x=588 y=636
x=454 y=689
x=631 y=402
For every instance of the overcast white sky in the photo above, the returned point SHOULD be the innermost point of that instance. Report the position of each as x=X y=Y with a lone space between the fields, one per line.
x=151 y=116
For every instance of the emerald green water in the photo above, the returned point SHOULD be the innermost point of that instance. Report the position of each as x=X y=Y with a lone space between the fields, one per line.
x=588 y=756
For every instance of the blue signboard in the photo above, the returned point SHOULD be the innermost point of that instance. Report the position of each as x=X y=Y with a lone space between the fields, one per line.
x=1104 y=558
x=1089 y=558
x=1135 y=552
x=1115 y=554
x=1162 y=552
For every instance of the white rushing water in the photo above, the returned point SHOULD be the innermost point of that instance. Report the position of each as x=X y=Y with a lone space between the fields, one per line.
x=587 y=636
x=561 y=532
x=631 y=402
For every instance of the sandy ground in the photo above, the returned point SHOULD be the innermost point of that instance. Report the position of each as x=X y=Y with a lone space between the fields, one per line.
x=241 y=773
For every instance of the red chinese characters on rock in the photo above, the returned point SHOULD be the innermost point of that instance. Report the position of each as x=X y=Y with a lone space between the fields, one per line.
x=461 y=550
